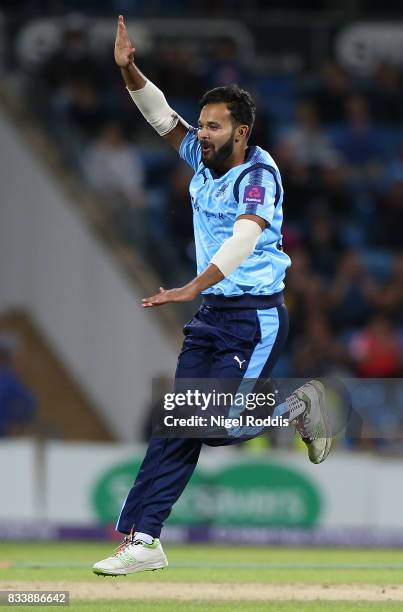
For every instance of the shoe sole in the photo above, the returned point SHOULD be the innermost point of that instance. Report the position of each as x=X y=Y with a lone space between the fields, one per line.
x=320 y=389
x=139 y=567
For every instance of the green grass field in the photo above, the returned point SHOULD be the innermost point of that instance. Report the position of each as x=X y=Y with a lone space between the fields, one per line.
x=246 y=576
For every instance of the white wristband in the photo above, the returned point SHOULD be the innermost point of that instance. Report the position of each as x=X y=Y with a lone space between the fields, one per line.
x=152 y=104
x=237 y=248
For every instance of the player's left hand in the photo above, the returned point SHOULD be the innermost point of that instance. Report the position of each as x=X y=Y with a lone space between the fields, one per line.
x=165 y=296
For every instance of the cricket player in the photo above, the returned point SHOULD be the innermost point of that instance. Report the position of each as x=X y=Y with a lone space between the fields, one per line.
x=241 y=327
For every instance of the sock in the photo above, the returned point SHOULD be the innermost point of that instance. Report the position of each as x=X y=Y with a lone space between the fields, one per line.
x=143 y=537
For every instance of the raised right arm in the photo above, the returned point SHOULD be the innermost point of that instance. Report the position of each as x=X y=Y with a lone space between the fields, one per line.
x=148 y=98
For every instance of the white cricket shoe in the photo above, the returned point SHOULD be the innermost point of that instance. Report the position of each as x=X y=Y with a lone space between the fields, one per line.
x=309 y=414
x=132 y=556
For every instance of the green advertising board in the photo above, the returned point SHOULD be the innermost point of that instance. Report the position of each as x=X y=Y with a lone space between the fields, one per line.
x=242 y=493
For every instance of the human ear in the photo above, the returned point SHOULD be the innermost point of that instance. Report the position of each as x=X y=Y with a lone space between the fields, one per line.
x=242 y=131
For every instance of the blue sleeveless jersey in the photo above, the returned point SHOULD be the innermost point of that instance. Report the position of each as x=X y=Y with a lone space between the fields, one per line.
x=252 y=188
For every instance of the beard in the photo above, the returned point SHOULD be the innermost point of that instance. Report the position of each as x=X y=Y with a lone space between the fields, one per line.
x=217 y=158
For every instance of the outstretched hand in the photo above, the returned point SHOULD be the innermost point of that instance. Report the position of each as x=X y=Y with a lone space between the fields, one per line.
x=209 y=277
x=124 y=50
x=165 y=296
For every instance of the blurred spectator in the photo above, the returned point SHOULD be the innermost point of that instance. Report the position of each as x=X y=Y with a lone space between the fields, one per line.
x=306 y=142
x=299 y=187
x=376 y=350
x=75 y=117
x=262 y=129
x=113 y=167
x=73 y=60
x=83 y=109
x=351 y=293
x=334 y=189
x=358 y=141
x=176 y=73
x=17 y=403
x=304 y=292
x=322 y=239
x=225 y=67
x=296 y=277
x=386 y=94
x=333 y=91
x=317 y=352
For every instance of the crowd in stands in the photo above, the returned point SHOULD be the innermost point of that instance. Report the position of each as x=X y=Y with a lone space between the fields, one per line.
x=338 y=141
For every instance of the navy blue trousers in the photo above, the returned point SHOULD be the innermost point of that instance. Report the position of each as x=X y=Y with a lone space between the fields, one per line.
x=212 y=340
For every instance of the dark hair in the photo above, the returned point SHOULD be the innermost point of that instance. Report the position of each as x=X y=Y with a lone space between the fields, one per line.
x=239 y=102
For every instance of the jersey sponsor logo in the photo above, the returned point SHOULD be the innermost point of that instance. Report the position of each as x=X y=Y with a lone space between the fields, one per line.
x=254 y=194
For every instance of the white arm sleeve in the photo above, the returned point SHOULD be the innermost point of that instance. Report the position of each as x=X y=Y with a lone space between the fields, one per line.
x=152 y=104
x=237 y=248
